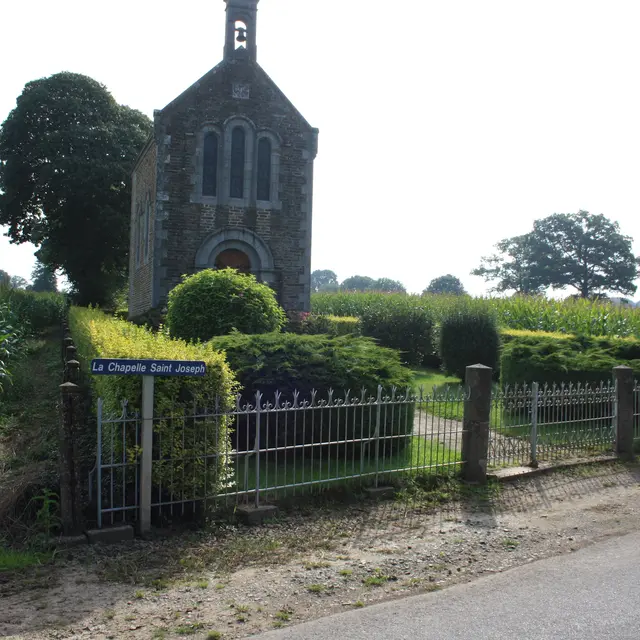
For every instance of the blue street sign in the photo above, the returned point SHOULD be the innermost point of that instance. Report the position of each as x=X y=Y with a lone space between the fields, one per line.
x=118 y=367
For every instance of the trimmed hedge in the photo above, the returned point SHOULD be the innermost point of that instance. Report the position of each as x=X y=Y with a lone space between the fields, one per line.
x=288 y=362
x=553 y=359
x=465 y=337
x=97 y=335
x=215 y=302
x=313 y=324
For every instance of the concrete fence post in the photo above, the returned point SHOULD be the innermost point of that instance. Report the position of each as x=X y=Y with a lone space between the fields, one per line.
x=475 y=434
x=623 y=426
x=70 y=495
x=72 y=371
x=66 y=342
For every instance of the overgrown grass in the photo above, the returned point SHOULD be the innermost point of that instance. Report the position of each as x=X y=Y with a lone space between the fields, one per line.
x=14 y=560
x=29 y=421
x=420 y=456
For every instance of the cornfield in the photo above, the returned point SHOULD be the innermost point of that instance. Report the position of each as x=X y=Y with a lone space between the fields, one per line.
x=584 y=317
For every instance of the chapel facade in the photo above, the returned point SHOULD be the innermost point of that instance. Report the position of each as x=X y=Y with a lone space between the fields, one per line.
x=225 y=180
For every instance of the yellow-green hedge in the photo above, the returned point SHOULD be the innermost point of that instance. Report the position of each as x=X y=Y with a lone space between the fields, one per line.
x=97 y=335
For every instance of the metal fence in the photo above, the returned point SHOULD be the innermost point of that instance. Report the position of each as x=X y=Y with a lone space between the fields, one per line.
x=263 y=449
x=636 y=411
x=533 y=423
x=271 y=448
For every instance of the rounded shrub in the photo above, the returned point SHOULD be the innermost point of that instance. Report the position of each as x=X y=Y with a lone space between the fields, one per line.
x=214 y=303
x=468 y=336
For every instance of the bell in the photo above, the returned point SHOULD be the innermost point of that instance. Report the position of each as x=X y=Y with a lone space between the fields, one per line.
x=242 y=34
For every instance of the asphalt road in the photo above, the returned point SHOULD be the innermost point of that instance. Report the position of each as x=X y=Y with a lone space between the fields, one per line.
x=592 y=594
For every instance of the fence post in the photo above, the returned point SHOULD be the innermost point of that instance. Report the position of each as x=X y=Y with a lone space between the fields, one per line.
x=70 y=507
x=475 y=433
x=256 y=447
x=377 y=432
x=146 y=462
x=534 y=425
x=623 y=425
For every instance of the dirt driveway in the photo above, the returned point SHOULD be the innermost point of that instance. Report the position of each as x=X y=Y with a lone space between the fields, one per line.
x=317 y=559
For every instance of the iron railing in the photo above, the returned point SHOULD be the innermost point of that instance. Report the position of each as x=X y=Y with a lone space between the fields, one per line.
x=265 y=449
x=534 y=423
x=636 y=411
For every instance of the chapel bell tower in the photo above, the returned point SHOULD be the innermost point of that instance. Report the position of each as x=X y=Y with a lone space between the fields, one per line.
x=242 y=19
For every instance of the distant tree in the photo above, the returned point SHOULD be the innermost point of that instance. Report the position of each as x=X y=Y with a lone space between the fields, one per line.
x=358 y=283
x=66 y=154
x=514 y=268
x=324 y=280
x=5 y=278
x=18 y=282
x=388 y=286
x=446 y=284
x=43 y=278
x=579 y=250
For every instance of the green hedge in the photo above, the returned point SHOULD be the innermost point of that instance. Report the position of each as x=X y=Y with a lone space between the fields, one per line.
x=468 y=336
x=314 y=324
x=287 y=362
x=553 y=359
x=183 y=441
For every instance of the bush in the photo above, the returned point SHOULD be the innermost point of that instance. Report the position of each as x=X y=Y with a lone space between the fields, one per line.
x=468 y=336
x=183 y=440
x=314 y=324
x=37 y=310
x=214 y=303
x=287 y=362
x=550 y=359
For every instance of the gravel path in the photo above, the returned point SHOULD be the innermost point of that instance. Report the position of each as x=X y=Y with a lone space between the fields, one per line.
x=314 y=561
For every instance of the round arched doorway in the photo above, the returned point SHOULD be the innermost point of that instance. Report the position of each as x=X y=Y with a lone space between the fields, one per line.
x=233 y=259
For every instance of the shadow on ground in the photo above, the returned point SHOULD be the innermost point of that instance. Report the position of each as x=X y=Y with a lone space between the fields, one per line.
x=314 y=525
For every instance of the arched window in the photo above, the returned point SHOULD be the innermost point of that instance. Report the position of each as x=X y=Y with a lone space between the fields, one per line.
x=210 y=165
x=264 y=169
x=236 y=187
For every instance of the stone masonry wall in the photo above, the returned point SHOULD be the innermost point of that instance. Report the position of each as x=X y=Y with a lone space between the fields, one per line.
x=141 y=275
x=184 y=224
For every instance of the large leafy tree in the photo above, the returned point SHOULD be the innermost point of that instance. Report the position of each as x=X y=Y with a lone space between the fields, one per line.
x=513 y=268
x=18 y=282
x=580 y=250
x=387 y=285
x=586 y=252
x=5 y=278
x=43 y=278
x=66 y=153
x=446 y=284
x=358 y=283
x=324 y=280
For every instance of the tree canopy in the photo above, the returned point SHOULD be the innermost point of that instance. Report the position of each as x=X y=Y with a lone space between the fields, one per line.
x=387 y=285
x=446 y=284
x=580 y=250
x=43 y=278
x=514 y=267
x=365 y=283
x=66 y=154
x=324 y=280
x=357 y=283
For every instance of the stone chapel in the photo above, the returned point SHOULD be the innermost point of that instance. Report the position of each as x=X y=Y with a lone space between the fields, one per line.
x=225 y=180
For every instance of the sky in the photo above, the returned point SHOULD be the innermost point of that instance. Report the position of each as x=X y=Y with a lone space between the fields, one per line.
x=444 y=126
